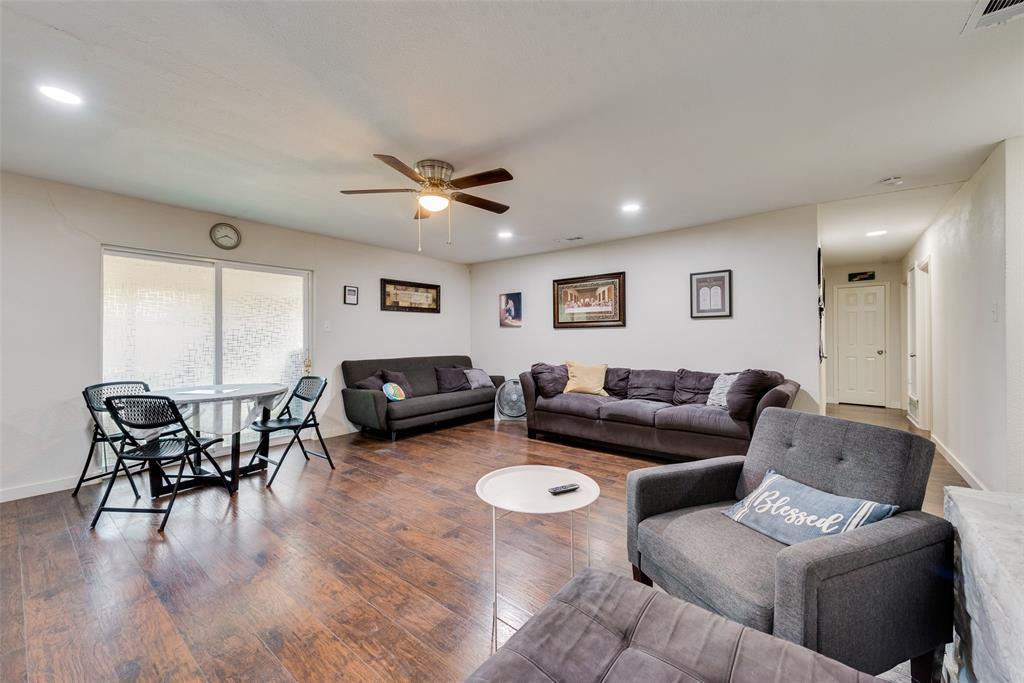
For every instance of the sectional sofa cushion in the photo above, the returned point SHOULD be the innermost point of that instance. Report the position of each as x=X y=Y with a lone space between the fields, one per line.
x=585 y=379
x=636 y=411
x=616 y=382
x=399 y=378
x=748 y=389
x=651 y=385
x=374 y=382
x=451 y=379
x=692 y=386
x=550 y=379
x=696 y=417
x=580 y=405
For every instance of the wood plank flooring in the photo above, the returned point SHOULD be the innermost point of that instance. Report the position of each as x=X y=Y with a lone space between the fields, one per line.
x=378 y=570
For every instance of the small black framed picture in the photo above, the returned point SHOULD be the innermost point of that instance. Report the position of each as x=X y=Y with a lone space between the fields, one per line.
x=351 y=295
x=711 y=294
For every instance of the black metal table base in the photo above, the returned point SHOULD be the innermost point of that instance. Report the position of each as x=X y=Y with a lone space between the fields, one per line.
x=160 y=484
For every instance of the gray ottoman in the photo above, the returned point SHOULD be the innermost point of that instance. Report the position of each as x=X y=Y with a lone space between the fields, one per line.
x=606 y=628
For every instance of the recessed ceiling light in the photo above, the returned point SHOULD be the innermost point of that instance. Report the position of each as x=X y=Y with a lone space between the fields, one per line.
x=630 y=207
x=878 y=233
x=505 y=235
x=60 y=94
x=892 y=180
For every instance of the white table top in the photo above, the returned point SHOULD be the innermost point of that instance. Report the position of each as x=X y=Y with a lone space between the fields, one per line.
x=524 y=488
x=209 y=393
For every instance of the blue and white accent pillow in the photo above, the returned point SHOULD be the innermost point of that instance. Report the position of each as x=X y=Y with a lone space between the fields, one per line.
x=791 y=512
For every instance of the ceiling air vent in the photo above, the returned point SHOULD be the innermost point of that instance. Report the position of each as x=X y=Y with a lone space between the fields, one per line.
x=992 y=12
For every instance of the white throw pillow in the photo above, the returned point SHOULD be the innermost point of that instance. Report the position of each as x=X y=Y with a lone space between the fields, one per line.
x=721 y=389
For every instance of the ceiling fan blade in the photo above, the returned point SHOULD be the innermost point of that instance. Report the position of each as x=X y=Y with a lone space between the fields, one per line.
x=479 y=202
x=401 y=167
x=421 y=213
x=495 y=175
x=377 y=191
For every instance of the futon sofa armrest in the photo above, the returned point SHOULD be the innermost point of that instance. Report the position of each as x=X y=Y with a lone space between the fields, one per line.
x=365 y=407
x=529 y=397
x=497 y=380
x=848 y=596
x=655 y=490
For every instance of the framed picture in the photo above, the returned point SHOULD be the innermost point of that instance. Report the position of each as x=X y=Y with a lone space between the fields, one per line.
x=410 y=297
x=351 y=295
x=510 y=309
x=711 y=294
x=592 y=301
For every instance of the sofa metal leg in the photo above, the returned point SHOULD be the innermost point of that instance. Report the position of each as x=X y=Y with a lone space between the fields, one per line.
x=394 y=435
x=640 y=577
x=927 y=668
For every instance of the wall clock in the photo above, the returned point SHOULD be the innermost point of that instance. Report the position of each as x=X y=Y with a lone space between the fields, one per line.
x=225 y=236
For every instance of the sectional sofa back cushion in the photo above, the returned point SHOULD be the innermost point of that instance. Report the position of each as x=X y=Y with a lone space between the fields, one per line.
x=652 y=385
x=692 y=386
x=550 y=379
x=748 y=389
x=616 y=382
x=451 y=379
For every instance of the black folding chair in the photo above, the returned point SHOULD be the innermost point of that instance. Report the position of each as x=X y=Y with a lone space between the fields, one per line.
x=94 y=396
x=154 y=413
x=307 y=390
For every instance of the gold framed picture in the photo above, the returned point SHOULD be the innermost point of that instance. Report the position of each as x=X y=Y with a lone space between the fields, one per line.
x=409 y=297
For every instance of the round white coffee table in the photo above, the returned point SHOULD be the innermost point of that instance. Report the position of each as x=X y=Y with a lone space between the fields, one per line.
x=524 y=488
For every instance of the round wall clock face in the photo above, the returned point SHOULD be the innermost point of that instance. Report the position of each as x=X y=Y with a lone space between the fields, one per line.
x=225 y=235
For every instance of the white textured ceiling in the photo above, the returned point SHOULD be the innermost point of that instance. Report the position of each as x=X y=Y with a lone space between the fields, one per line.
x=843 y=225
x=700 y=111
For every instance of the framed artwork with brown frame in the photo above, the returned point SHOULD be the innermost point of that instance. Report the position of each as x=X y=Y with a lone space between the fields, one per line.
x=590 y=301
x=409 y=297
x=711 y=294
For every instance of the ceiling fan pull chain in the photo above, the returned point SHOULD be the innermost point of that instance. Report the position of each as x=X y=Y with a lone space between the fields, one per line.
x=451 y=207
x=419 y=230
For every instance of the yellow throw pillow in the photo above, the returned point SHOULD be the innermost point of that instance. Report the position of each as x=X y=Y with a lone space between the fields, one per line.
x=585 y=379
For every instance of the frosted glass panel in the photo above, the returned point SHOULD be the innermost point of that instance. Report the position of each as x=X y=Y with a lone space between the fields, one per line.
x=158 y=321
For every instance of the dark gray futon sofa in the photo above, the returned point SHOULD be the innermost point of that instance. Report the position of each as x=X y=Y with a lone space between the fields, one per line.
x=371 y=409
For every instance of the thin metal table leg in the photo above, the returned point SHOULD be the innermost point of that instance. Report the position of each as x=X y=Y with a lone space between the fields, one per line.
x=494 y=569
x=572 y=545
x=588 y=535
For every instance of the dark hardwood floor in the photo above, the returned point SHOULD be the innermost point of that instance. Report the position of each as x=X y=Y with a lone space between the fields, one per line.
x=379 y=570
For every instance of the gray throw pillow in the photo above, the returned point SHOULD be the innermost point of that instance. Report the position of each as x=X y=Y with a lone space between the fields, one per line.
x=616 y=382
x=451 y=379
x=720 y=390
x=747 y=390
x=374 y=382
x=550 y=379
x=393 y=376
x=791 y=512
x=478 y=379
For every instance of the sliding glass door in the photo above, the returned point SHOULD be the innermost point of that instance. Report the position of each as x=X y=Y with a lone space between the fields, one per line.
x=176 y=321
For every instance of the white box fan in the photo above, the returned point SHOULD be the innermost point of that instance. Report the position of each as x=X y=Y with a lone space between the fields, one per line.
x=509 y=403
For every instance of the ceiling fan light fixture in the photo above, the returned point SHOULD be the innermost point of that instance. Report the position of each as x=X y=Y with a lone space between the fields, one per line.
x=433 y=201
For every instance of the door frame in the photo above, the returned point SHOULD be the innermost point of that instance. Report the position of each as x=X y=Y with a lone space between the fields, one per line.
x=923 y=343
x=834 y=345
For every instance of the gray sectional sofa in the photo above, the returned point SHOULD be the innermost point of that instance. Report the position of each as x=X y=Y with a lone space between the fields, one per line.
x=661 y=412
x=370 y=409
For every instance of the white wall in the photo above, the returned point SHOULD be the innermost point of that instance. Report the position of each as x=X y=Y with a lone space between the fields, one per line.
x=51 y=243
x=891 y=275
x=972 y=282
x=774 y=324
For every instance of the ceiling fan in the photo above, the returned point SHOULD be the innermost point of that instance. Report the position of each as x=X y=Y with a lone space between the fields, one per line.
x=438 y=188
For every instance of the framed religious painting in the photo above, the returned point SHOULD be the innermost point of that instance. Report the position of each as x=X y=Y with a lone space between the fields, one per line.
x=711 y=294
x=590 y=301
x=410 y=297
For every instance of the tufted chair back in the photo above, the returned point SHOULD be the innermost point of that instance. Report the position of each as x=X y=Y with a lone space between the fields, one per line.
x=840 y=457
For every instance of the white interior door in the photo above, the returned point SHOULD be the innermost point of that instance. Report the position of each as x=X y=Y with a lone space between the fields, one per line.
x=860 y=344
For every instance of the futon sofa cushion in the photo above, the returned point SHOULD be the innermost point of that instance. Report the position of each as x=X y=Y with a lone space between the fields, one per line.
x=697 y=417
x=435 y=403
x=652 y=385
x=632 y=411
x=550 y=379
x=580 y=405
x=748 y=389
x=737 y=585
x=692 y=386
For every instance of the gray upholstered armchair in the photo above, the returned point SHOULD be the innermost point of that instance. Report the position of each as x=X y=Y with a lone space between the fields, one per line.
x=870 y=598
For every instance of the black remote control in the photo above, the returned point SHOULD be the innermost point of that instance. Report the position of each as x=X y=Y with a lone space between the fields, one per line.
x=564 y=488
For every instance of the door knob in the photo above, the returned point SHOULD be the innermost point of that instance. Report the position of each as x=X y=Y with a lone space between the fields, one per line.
x=880 y=351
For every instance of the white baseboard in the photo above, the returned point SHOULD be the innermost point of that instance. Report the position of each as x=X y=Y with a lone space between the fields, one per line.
x=958 y=465
x=67 y=483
